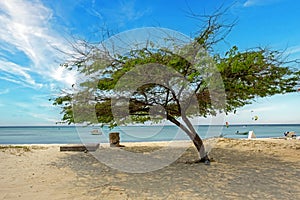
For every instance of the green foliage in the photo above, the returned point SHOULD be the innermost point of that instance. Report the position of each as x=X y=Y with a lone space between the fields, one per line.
x=64 y=102
x=255 y=73
x=246 y=76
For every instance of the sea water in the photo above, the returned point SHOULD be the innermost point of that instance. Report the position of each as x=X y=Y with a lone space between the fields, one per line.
x=80 y=134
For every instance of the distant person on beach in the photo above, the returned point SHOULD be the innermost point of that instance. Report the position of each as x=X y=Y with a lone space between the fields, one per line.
x=290 y=134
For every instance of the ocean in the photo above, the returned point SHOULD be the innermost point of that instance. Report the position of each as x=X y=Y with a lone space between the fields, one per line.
x=80 y=134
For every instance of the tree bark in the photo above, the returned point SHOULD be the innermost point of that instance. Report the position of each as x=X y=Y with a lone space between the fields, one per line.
x=197 y=141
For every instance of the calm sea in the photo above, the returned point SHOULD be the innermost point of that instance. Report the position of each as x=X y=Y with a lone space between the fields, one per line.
x=74 y=134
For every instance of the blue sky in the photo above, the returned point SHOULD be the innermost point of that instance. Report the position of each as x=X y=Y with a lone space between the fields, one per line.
x=32 y=30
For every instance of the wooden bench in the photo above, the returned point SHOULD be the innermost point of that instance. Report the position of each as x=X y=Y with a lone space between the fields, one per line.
x=80 y=147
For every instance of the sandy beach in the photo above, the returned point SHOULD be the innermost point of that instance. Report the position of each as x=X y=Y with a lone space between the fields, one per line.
x=242 y=169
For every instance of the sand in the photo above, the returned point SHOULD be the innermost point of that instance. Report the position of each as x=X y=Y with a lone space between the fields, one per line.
x=243 y=169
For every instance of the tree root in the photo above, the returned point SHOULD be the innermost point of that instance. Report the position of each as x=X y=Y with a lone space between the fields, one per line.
x=204 y=160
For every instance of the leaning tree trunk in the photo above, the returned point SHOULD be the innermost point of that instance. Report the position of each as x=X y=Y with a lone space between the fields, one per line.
x=197 y=141
x=200 y=147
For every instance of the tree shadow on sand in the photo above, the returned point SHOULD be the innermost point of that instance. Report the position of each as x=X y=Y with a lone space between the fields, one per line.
x=234 y=174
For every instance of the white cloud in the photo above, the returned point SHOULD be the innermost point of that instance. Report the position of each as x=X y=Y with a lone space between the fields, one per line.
x=5 y=91
x=25 y=27
x=17 y=74
x=128 y=11
x=250 y=3
x=293 y=50
x=22 y=104
x=121 y=12
x=45 y=117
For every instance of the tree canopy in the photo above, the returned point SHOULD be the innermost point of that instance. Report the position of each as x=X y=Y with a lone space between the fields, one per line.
x=171 y=82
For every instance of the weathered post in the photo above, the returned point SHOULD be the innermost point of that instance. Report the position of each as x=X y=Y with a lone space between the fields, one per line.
x=114 y=139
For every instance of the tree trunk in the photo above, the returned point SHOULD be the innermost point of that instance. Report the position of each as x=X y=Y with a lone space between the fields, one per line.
x=197 y=141
x=200 y=148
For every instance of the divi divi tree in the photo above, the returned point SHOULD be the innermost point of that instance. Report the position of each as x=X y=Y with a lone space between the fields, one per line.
x=164 y=78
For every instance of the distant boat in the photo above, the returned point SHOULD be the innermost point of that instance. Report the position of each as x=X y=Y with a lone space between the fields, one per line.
x=241 y=133
x=96 y=132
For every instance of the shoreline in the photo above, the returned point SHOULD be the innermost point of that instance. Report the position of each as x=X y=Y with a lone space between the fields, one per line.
x=70 y=135
x=74 y=126
x=158 y=143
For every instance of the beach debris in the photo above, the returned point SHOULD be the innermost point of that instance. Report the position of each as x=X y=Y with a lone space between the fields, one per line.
x=114 y=139
x=116 y=188
x=207 y=162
